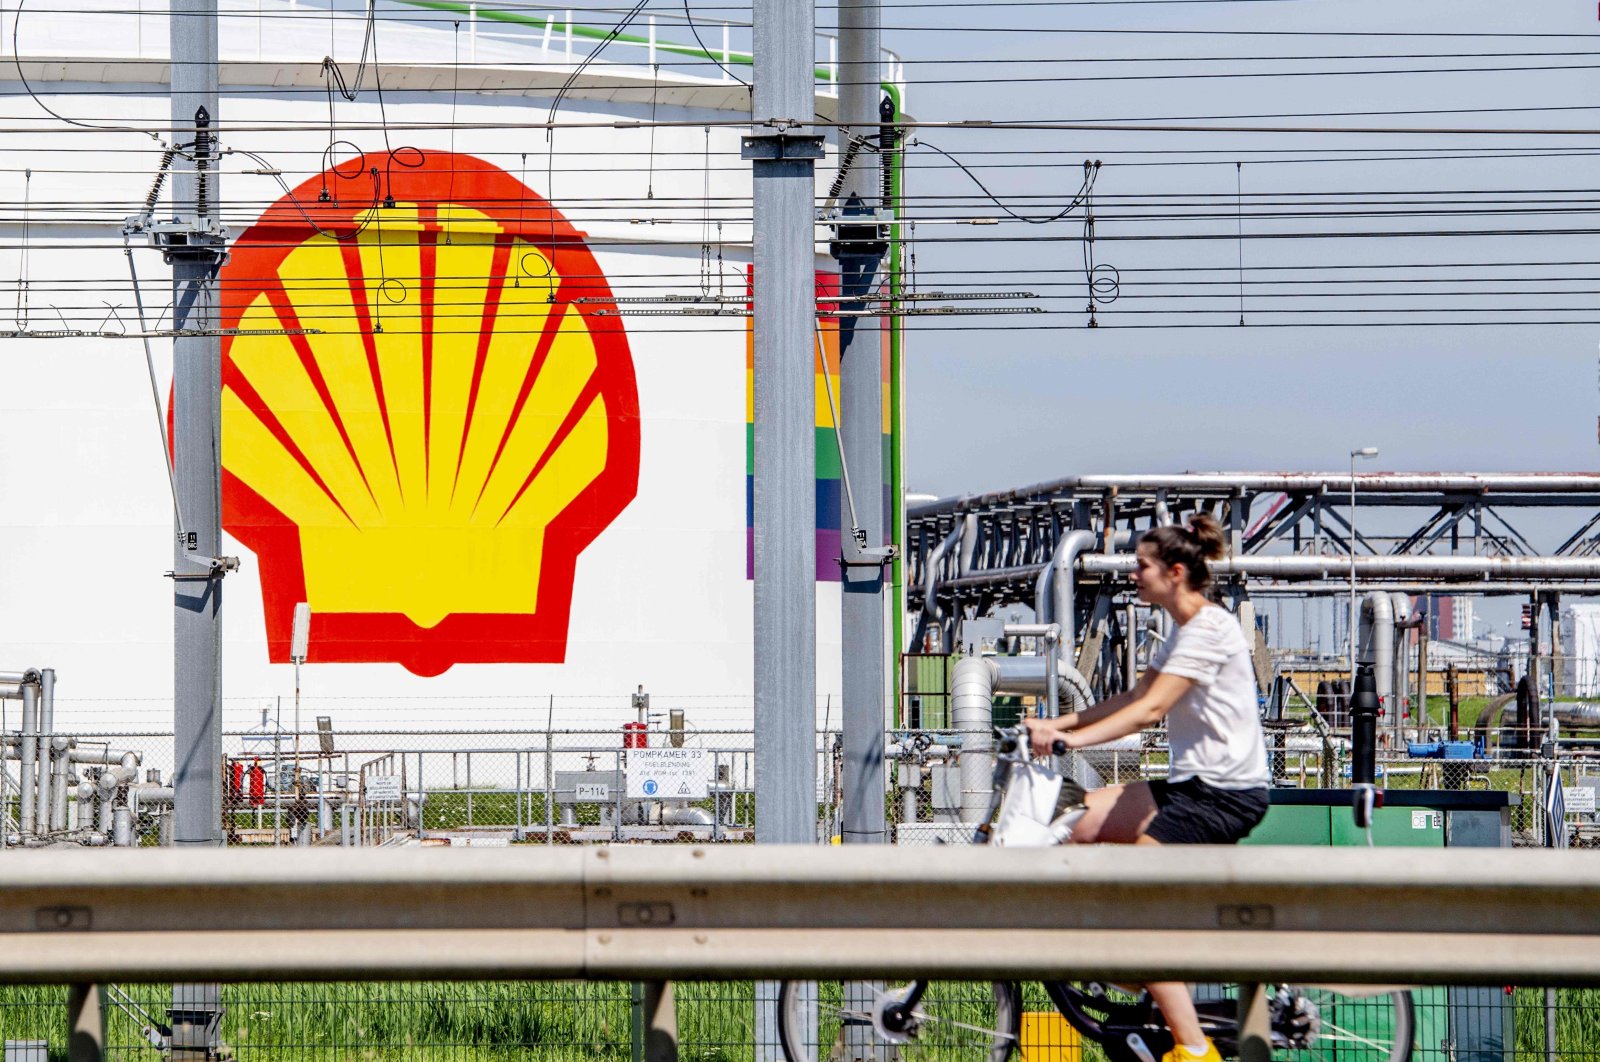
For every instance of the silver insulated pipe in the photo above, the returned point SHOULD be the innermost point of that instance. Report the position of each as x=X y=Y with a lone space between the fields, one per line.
x=44 y=808
x=1377 y=643
x=973 y=687
x=28 y=755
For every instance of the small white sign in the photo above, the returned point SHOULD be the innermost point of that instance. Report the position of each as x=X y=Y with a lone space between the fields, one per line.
x=383 y=787
x=1578 y=798
x=480 y=842
x=1423 y=819
x=668 y=774
x=597 y=791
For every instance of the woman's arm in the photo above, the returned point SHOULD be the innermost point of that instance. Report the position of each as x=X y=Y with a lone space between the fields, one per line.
x=1041 y=732
x=1144 y=706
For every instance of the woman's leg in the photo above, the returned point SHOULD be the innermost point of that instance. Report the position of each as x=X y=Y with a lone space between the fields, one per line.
x=1177 y=1007
x=1117 y=814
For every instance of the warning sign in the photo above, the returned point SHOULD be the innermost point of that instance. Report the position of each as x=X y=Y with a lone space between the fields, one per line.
x=668 y=774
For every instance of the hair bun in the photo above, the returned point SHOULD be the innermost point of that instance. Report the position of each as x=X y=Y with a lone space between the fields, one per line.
x=1208 y=536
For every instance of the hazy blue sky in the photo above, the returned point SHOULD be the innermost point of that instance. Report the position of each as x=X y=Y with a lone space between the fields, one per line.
x=996 y=406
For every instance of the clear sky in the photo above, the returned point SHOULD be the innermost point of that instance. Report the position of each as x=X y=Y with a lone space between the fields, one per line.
x=1000 y=402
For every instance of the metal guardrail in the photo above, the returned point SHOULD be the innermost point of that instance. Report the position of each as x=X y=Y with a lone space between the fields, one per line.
x=701 y=912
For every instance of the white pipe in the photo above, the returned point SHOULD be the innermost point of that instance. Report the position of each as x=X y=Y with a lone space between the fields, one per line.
x=689 y=816
x=94 y=754
x=44 y=809
x=116 y=777
x=972 y=691
x=141 y=795
x=1401 y=683
x=1026 y=675
x=122 y=828
x=59 y=769
x=1377 y=643
x=1225 y=483
x=969 y=544
x=29 y=756
x=1054 y=597
x=972 y=714
x=1385 y=566
x=930 y=600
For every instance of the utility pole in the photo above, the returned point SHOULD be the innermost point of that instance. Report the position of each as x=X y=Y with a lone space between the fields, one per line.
x=195 y=246
x=859 y=248
x=783 y=150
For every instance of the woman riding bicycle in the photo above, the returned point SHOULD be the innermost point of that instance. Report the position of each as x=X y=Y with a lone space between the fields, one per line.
x=1202 y=682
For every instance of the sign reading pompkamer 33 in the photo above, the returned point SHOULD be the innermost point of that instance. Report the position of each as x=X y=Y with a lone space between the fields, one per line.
x=668 y=774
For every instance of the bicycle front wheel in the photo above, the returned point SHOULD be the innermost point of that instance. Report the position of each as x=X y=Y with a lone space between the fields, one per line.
x=1324 y=1023
x=954 y=1021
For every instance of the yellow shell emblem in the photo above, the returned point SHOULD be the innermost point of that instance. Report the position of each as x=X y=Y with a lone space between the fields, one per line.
x=426 y=466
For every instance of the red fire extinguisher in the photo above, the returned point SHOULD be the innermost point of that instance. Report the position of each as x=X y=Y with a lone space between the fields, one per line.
x=258 y=785
x=236 y=780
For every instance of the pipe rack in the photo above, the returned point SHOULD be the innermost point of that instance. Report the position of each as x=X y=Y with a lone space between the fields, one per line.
x=45 y=777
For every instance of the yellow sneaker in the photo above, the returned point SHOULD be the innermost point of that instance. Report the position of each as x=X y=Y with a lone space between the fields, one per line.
x=1180 y=1053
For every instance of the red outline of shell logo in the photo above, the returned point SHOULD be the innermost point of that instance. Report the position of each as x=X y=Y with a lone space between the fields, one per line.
x=427 y=469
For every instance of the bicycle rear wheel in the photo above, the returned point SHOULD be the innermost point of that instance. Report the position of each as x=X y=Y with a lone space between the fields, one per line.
x=954 y=1021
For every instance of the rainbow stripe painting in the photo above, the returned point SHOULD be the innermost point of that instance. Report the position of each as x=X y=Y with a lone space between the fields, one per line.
x=830 y=492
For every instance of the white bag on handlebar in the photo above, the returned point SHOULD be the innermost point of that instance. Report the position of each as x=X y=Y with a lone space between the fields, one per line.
x=1029 y=806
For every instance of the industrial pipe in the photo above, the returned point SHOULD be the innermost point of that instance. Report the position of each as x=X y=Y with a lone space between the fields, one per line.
x=972 y=714
x=1404 y=622
x=1385 y=566
x=29 y=756
x=59 y=770
x=1225 y=484
x=1025 y=675
x=686 y=816
x=930 y=598
x=1582 y=715
x=44 y=809
x=1377 y=643
x=93 y=754
x=1055 y=593
x=973 y=687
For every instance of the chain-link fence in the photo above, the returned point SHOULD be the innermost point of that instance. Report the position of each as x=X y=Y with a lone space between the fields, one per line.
x=576 y=786
x=720 y=1022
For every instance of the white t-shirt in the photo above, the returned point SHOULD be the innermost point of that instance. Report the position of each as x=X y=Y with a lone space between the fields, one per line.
x=1215 y=728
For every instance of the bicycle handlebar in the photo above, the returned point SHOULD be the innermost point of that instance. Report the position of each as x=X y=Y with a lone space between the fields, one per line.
x=1012 y=738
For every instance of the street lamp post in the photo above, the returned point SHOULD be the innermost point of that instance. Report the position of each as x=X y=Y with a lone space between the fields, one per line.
x=1365 y=451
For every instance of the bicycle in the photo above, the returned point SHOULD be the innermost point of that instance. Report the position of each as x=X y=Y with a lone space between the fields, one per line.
x=1032 y=805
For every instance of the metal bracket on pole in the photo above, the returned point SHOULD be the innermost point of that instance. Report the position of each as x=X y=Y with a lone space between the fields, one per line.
x=857 y=554
x=780 y=147
x=216 y=568
x=199 y=237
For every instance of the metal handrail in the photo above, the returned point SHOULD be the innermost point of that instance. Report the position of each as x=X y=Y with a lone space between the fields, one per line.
x=688 y=912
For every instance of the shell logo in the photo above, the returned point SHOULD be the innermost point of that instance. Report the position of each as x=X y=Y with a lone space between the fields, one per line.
x=427 y=469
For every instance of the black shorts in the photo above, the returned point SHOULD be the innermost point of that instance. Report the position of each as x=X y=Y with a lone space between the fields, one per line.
x=1192 y=812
